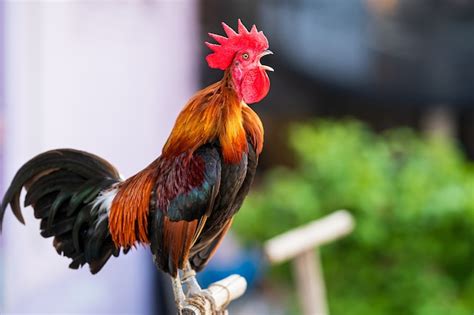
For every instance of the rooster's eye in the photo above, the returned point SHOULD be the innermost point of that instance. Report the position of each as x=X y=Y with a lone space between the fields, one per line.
x=245 y=56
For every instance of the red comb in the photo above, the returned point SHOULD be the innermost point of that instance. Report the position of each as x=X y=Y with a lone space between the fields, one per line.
x=224 y=52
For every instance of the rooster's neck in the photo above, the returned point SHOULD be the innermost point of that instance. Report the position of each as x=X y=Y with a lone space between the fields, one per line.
x=215 y=113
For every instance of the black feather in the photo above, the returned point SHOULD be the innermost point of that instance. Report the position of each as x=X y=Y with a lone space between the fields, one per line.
x=59 y=201
x=238 y=179
x=62 y=186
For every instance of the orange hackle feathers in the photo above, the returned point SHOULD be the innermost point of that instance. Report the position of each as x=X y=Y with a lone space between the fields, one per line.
x=254 y=127
x=130 y=208
x=214 y=113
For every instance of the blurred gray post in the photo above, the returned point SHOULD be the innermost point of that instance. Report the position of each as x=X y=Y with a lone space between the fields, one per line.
x=309 y=277
x=439 y=121
x=301 y=246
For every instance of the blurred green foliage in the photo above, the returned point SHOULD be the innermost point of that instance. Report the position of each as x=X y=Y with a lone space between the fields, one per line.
x=412 y=251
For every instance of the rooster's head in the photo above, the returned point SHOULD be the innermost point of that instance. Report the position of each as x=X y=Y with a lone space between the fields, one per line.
x=240 y=53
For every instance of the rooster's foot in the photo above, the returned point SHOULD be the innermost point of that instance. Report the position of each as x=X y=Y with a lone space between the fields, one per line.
x=189 y=279
x=178 y=293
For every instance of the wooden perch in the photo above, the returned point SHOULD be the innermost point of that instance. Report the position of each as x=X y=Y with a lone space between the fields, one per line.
x=216 y=297
x=314 y=234
x=301 y=245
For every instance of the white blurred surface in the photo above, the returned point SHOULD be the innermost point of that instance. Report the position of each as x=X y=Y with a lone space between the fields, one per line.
x=105 y=77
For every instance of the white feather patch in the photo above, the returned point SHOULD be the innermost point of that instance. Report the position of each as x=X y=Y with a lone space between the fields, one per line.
x=103 y=203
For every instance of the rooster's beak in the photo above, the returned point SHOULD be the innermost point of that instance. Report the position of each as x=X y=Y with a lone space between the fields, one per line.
x=266 y=52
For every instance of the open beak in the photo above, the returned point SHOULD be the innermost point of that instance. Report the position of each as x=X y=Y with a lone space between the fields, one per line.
x=267 y=68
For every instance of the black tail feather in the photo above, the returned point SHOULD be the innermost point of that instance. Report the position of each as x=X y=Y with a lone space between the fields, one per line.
x=62 y=186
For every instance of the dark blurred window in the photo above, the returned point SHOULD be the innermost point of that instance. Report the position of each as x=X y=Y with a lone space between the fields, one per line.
x=386 y=62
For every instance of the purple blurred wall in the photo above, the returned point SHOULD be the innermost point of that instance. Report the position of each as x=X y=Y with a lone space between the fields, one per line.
x=2 y=86
x=2 y=106
x=104 y=77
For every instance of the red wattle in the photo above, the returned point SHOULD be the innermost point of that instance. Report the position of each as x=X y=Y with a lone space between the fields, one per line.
x=255 y=85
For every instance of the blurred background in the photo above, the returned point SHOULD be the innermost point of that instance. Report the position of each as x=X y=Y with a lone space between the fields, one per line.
x=371 y=109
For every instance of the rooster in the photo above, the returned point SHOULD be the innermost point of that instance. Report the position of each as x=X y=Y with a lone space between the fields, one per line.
x=183 y=203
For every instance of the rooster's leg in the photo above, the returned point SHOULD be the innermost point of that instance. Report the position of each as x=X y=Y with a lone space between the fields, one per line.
x=189 y=278
x=178 y=293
